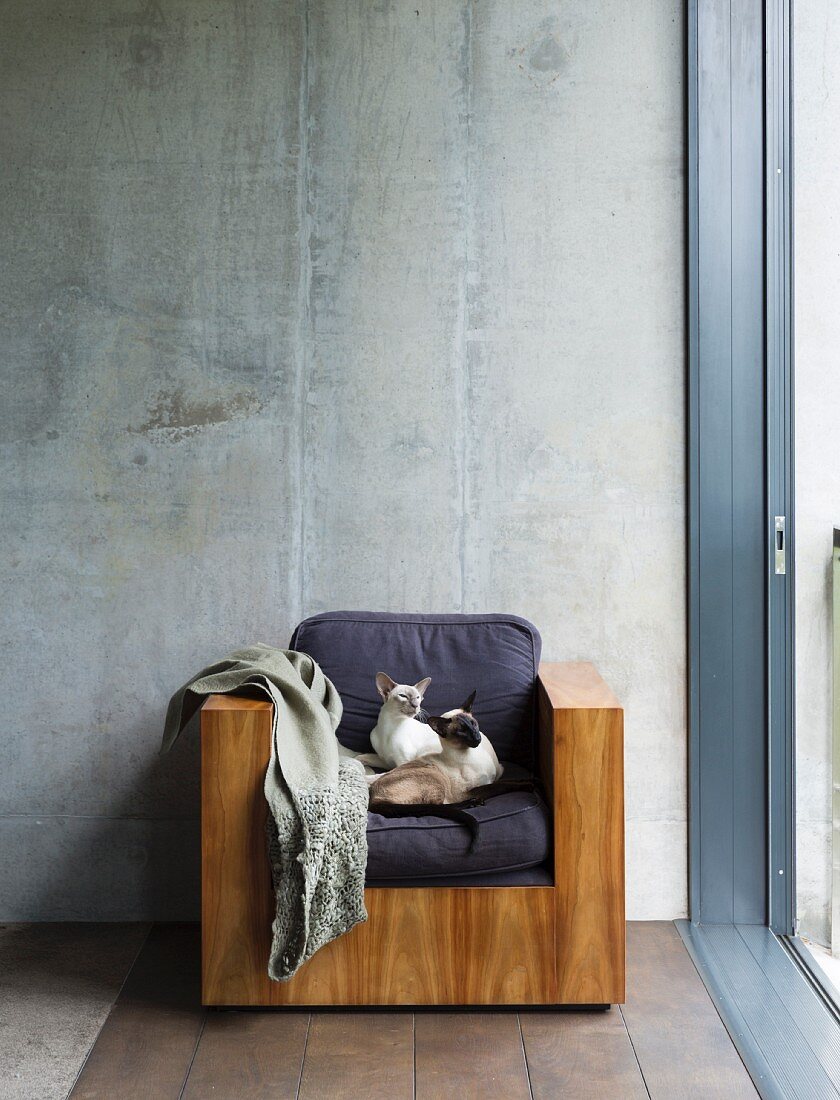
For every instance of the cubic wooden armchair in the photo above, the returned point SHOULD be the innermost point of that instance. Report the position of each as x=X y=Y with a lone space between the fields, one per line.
x=481 y=938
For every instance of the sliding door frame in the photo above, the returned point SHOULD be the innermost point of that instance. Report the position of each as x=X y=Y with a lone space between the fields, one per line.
x=781 y=1013
x=780 y=467
x=729 y=683
x=741 y=611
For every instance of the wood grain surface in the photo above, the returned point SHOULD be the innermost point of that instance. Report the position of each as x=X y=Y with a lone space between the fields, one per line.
x=258 y=1055
x=581 y=738
x=587 y=1055
x=576 y=685
x=469 y=1056
x=433 y=945
x=353 y=1056
x=237 y=904
x=437 y=947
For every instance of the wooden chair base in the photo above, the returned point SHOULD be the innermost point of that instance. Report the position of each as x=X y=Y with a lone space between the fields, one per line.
x=418 y=947
x=526 y=945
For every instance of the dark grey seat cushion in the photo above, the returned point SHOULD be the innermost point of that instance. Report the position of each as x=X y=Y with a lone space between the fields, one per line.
x=515 y=834
x=497 y=655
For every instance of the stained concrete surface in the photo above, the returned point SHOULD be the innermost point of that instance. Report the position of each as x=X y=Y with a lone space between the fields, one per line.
x=148 y=310
x=57 y=985
x=327 y=304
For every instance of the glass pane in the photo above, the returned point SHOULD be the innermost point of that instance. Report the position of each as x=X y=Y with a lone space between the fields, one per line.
x=816 y=124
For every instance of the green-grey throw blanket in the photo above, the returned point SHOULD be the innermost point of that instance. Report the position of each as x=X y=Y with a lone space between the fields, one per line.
x=317 y=840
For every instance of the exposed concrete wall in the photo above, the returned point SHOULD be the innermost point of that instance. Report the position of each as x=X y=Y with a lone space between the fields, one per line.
x=321 y=305
x=150 y=333
x=817 y=353
x=385 y=108
x=575 y=489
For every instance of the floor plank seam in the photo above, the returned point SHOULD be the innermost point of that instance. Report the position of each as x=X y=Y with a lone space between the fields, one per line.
x=525 y=1056
x=129 y=969
x=633 y=1048
x=303 y=1056
x=192 y=1059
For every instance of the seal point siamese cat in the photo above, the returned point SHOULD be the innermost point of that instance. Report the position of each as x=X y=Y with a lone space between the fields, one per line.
x=465 y=753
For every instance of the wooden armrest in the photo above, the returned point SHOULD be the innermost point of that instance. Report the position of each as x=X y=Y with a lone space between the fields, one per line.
x=575 y=685
x=566 y=689
x=581 y=757
x=237 y=905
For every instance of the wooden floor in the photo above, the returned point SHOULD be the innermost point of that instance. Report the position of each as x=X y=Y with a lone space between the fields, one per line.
x=667 y=1042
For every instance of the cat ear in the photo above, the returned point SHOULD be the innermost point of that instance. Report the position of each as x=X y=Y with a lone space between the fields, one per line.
x=467 y=707
x=384 y=684
x=421 y=685
x=439 y=725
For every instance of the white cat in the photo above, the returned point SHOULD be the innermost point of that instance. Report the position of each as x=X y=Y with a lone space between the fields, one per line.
x=397 y=736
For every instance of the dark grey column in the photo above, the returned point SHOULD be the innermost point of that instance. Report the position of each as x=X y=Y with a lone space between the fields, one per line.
x=727 y=521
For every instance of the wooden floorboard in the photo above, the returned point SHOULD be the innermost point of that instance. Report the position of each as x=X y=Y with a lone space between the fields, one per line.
x=359 y=1056
x=585 y=1055
x=666 y=1042
x=249 y=1056
x=681 y=1044
x=469 y=1056
x=148 y=1040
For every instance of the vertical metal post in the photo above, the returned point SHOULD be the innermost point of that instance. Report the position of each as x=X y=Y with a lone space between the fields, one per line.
x=780 y=485
x=727 y=461
x=835 y=746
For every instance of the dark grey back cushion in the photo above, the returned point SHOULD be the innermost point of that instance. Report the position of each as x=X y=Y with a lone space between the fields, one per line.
x=497 y=655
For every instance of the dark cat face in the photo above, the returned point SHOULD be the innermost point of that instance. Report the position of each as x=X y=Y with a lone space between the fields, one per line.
x=458 y=726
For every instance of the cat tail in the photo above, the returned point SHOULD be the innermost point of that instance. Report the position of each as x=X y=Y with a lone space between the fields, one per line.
x=477 y=795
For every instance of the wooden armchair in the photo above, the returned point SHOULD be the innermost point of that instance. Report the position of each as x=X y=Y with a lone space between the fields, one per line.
x=558 y=944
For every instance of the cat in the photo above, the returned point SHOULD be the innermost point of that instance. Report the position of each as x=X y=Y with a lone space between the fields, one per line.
x=462 y=774
x=419 y=789
x=398 y=736
x=463 y=759
x=466 y=754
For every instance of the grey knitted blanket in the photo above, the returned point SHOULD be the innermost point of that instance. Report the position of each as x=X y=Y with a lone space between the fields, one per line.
x=317 y=840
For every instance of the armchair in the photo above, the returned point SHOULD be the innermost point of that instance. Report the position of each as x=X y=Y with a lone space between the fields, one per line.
x=534 y=917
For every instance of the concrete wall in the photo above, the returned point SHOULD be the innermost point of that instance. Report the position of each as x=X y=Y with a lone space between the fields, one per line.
x=327 y=304
x=817 y=328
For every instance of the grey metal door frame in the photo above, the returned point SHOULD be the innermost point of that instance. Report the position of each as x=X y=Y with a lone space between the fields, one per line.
x=731 y=603
x=741 y=858
x=780 y=464
x=781 y=1014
